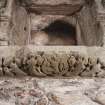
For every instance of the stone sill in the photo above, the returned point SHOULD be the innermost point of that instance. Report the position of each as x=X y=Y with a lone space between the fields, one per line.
x=89 y=51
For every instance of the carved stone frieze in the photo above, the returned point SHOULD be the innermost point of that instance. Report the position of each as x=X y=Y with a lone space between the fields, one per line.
x=42 y=64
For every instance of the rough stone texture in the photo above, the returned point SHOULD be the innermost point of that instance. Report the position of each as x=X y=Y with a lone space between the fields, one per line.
x=34 y=91
x=16 y=23
x=101 y=16
x=5 y=19
x=51 y=2
x=20 y=29
x=88 y=16
x=89 y=34
x=41 y=62
x=55 y=9
x=17 y=18
x=41 y=22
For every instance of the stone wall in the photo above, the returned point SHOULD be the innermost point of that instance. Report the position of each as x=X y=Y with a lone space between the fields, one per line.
x=20 y=29
x=5 y=21
x=91 y=31
x=21 y=18
x=18 y=18
x=101 y=17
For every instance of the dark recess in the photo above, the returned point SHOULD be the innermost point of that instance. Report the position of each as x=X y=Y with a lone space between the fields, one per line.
x=61 y=28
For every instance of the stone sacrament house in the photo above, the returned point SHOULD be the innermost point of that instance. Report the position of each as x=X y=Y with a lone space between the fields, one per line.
x=52 y=37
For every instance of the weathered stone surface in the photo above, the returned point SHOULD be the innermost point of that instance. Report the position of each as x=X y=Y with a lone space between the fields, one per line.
x=16 y=23
x=20 y=29
x=100 y=97
x=40 y=34
x=45 y=63
x=5 y=20
x=89 y=34
x=54 y=10
x=16 y=19
x=30 y=91
x=51 y=2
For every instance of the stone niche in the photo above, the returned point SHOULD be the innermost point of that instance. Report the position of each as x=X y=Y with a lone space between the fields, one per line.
x=48 y=22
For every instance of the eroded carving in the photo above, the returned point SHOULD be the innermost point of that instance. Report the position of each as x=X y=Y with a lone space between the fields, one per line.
x=43 y=65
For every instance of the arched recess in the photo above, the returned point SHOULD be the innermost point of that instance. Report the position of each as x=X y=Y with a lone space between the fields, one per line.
x=58 y=32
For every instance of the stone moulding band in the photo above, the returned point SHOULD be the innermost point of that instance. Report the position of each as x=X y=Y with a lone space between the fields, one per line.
x=34 y=61
x=4 y=18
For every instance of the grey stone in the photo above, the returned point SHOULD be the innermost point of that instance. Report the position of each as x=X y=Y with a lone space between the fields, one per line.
x=100 y=97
